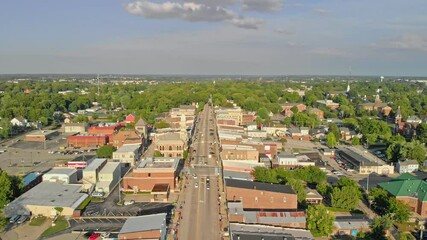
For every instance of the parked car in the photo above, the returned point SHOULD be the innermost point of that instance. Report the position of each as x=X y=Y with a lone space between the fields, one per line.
x=127 y=203
x=14 y=218
x=94 y=236
x=97 y=194
x=23 y=218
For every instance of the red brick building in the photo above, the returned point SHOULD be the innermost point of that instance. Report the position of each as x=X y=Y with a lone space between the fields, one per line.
x=151 y=172
x=287 y=108
x=107 y=130
x=87 y=141
x=319 y=113
x=125 y=137
x=228 y=121
x=261 y=196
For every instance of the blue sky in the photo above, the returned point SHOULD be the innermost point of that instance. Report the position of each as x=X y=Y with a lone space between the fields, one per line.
x=278 y=37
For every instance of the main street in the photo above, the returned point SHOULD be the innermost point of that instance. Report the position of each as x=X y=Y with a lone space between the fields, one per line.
x=200 y=212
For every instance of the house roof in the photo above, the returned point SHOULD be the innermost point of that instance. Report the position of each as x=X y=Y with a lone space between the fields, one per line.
x=140 y=122
x=144 y=223
x=259 y=186
x=351 y=224
x=406 y=185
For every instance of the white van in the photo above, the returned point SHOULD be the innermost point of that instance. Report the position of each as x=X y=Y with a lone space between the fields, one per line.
x=98 y=194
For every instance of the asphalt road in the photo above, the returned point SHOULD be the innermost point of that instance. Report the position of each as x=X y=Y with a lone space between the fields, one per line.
x=200 y=213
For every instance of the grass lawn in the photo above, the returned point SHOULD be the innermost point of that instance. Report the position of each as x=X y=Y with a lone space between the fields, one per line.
x=60 y=225
x=332 y=209
x=37 y=221
x=406 y=227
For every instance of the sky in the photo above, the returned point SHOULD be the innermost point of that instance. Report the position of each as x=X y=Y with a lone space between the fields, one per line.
x=238 y=37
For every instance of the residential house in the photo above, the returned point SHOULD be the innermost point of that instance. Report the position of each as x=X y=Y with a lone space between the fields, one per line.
x=19 y=122
x=261 y=196
x=329 y=104
x=414 y=121
x=287 y=108
x=350 y=225
x=313 y=197
x=130 y=118
x=345 y=133
x=407 y=166
x=319 y=113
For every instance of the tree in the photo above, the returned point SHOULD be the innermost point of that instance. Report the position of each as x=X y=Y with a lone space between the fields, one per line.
x=6 y=193
x=3 y=221
x=379 y=225
x=333 y=128
x=401 y=211
x=324 y=188
x=263 y=113
x=379 y=200
x=299 y=187
x=105 y=151
x=344 y=197
x=355 y=141
x=331 y=141
x=319 y=220
x=294 y=109
x=422 y=132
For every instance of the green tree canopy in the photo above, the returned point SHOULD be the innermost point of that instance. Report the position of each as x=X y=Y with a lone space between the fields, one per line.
x=105 y=151
x=319 y=220
x=331 y=141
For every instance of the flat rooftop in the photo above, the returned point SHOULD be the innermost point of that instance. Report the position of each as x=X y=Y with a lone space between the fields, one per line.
x=109 y=167
x=159 y=163
x=95 y=164
x=129 y=147
x=41 y=132
x=83 y=158
x=144 y=223
x=238 y=147
x=66 y=171
x=359 y=157
x=50 y=194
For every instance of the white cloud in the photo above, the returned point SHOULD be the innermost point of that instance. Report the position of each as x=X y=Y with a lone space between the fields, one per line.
x=262 y=5
x=321 y=11
x=189 y=11
x=410 y=42
x=248 y=23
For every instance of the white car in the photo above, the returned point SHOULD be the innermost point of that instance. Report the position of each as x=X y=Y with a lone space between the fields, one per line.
x=127 y=203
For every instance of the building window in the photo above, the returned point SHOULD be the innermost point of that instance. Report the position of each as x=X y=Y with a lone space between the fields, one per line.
x=271 y=199
x=149 y=174
x=284 y=199
x=256 y=199
x=170 y=148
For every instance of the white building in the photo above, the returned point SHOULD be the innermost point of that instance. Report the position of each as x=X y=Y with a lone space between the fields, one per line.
x=65 y=175
x=90 y=173
x=407 y=166
x=108 y=177
x=19 y=121
x=285 y=159
x=128 y=153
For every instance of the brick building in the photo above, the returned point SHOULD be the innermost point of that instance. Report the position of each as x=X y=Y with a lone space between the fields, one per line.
x=239 y=152
x=107 y=130
x=87 y=141
x=287 y=108
x=125 y=137
x=170 y=145
x=261 y=196
x=409 y=190
x=151 y=172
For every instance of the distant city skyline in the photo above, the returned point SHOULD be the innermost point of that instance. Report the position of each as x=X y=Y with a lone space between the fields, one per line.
x=214 y=37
